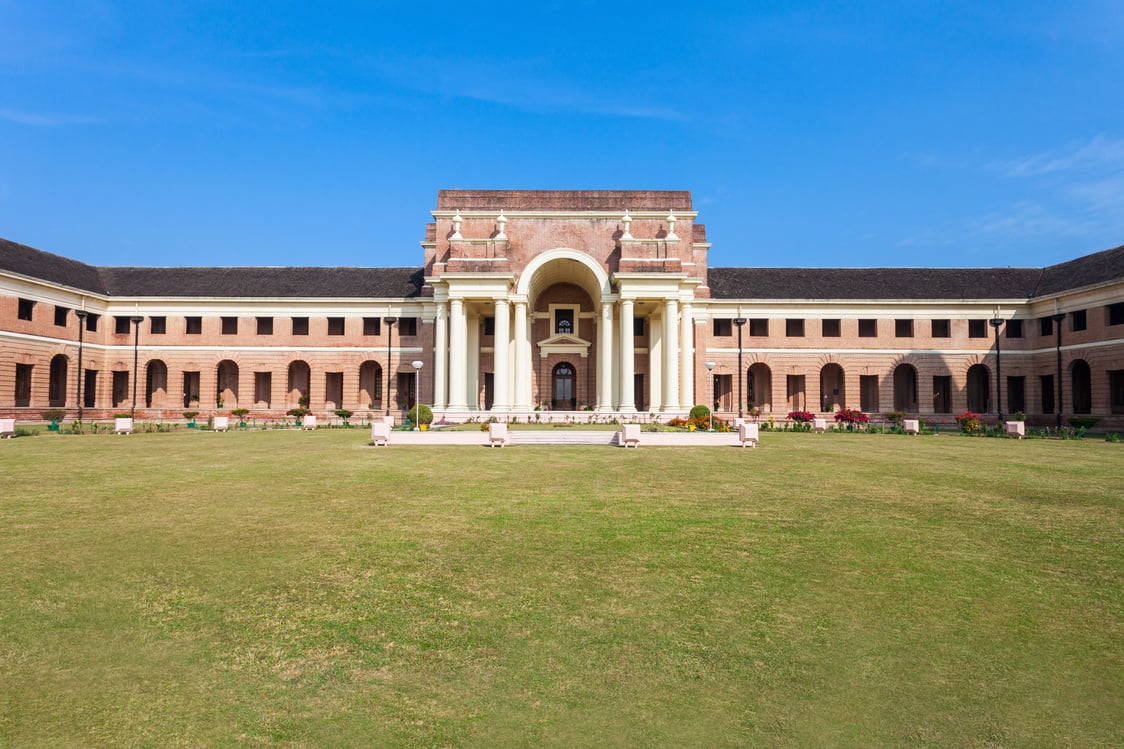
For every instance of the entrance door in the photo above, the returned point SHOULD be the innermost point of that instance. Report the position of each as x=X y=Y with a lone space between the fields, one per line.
x=563 y=392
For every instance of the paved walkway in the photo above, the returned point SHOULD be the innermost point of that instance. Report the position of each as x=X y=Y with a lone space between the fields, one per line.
x=519 y=437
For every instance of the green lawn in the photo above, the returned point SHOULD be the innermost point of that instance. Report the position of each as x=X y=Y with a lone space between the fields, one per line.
x=303 y=589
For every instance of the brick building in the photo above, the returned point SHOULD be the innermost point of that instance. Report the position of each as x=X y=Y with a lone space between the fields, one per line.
x=565 y=300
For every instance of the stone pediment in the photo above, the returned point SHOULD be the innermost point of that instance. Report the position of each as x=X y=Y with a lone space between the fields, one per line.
x=563 y=344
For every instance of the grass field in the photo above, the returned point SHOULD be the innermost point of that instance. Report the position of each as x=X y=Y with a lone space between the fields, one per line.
x=303 y=589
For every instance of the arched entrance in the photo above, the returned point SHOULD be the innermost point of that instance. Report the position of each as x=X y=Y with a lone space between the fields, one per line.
x=57 y=388
x=300 y=377
x=1082 y=386
x=979 y=388
x=905 y=388
x=832 y=393
x=759 y=387
x=227 y=385
x=563 y=388
x=370 y=384
x=155 y=384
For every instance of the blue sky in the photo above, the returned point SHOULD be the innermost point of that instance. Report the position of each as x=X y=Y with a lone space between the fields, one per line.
x=902 y=134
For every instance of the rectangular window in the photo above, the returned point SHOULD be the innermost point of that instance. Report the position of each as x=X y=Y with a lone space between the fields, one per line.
x=120 y=388
x=723 y=327
x=638 y=327
x=300 y=326
x=1077 y=320
x=903 y=328
x=832 y=328
x=977 y=328
x=121 y=325
x=1116 y=390
x=407 y=326
x=1115 y=313
x=92 y=323
x=60 y=316
x=372 y=326
x=1045 y=326
x=489 y=325
x=25 y=308
x=759 y=327
x=335 y=326
x=158 y=325
x=1046 y=382
x=230 y=326
x=193 y=325
x=265 y=327
x=942 y=329
x=1014 y=329
x=23 y=385
x=794 y=328
x=1016 y=394
x=942 y=394
x=564 y=321
x=90 y=389
x=868 y=328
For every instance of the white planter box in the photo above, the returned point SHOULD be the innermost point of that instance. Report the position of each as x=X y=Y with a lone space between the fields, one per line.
x=7 y=428
x=819 y=425
x=497 y=434
x=1016 y=429
x=308 y=422
x=630 y=435
x=911 y=426
x=380 y=433
x=748 y=434
x=122 y=426
x=221 y=423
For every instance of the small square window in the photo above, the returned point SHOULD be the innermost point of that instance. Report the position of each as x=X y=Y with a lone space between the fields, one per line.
x=92 y=323
x=300 y=326
x=903 y=328
x=230 y=326
x=60 y=316
x=372 y=326
x=158 y=325
x=121 y=325
x=407 y=326
x=335 y=326
x=265 y=325
x=193 y=325
x=942 y=329
x=977 y=328
x=1115 y=313
x=723 y=328
x=832 y=328
x=759 y=327
x=25 y=308
x=1014 y=329
x=868 y=328
x=794 y=328
x=1077 y=319
x=489 y=325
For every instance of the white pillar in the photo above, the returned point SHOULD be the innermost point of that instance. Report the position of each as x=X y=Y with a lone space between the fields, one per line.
x=440 y=357
x=628 y=359
x=655 y=364
x=522 y=359
x=472 y=376
x=687 y=357
x=670 y=355
x=458 y=354
x=605 y=358
x=501 y=395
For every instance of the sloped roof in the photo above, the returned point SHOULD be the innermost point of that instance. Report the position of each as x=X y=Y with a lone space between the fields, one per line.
x=381 y=283
x=873 y=283
x=28 y=261
x=1107 y=265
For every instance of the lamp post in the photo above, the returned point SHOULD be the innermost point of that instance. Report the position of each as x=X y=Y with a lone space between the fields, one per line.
x=417 y=364
x=739 y=322
x=136 y=321
x=996 y=322
x=81 y=331
x=710 y=411
x=389 y=372
x=1058 y=317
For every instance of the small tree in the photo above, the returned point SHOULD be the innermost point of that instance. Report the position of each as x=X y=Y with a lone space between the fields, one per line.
x=421 y=414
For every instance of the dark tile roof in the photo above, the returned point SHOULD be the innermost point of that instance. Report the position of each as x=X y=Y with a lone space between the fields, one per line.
x=1089 y=270
x=381 y=283
x=28 y=261
x=873 y=283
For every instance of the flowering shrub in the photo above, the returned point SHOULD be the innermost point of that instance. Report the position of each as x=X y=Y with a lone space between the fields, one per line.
x=693 y=424
x=801 y=417
x=969 y=422
x=851 y=416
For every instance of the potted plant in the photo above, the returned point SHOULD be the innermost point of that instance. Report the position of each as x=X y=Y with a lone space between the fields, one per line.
x=54 y=415
x=190 y=416
x=344 y=414
x=422 y=415
x=241 y=413
x=123 y=423
x=299 y=413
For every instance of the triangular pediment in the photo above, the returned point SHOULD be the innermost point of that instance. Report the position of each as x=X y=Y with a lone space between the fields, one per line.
x=563 y=344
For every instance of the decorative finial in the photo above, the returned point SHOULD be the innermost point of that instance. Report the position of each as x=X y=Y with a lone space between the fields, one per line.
x=457 y=225
x=627 y=221
x=501 y=223
x=671 y=225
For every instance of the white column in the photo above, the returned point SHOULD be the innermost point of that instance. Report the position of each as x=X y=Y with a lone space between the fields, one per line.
x=522 y=359
x=501 y=396
x=687 y=357
x=440 y=357
x=605 y=358
x=472 y=323
x=670 y=355
x=458 y=354
x=628 y=359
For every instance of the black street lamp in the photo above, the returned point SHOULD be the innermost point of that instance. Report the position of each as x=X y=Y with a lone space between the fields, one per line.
x=739 y=322
x=136 y=321
x=390 y=321
x=1058 y=317
x=996 y=323
x=81 y=331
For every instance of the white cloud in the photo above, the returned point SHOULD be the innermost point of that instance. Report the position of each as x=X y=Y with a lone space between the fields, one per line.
x=41 y=119
x=1098 y=153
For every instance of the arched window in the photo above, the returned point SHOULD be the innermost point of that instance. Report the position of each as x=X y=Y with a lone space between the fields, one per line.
x=979 y=389
x=905 y=388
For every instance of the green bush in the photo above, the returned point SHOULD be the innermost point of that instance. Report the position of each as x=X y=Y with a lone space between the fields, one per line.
x=420 y=414
x=700 y=412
